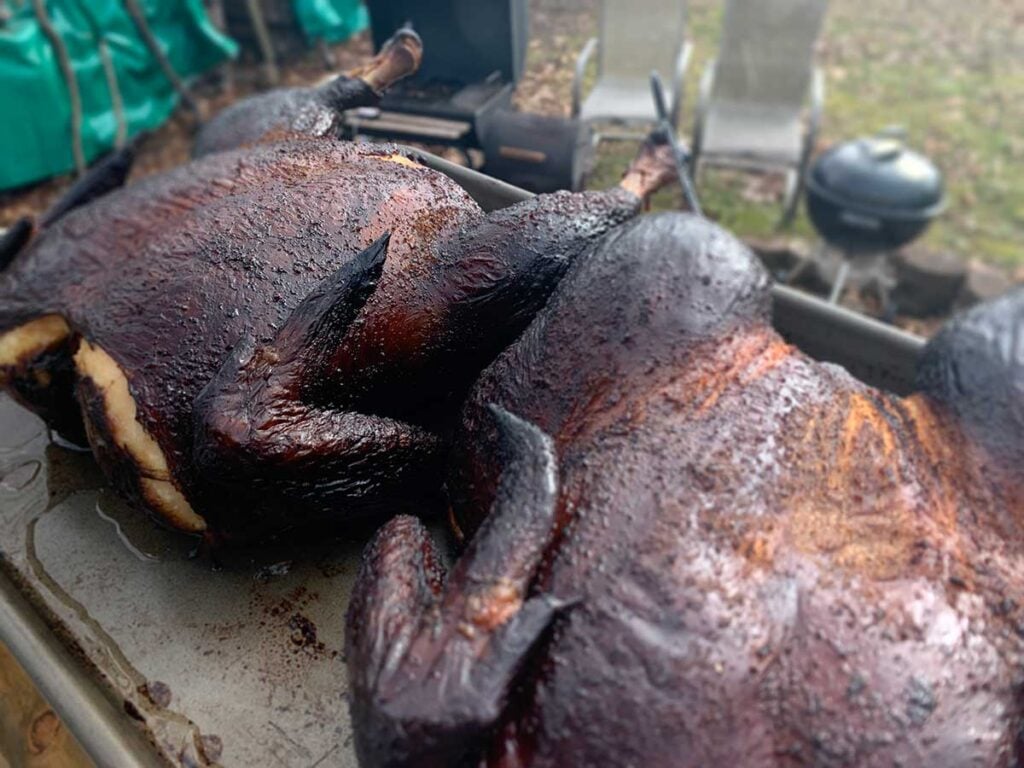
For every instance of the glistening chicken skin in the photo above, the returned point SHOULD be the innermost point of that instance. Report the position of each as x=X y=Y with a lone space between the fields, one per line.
x=691 y=545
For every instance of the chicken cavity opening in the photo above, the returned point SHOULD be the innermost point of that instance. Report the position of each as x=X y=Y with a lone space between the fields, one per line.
x=28 y=341
x=129 y=435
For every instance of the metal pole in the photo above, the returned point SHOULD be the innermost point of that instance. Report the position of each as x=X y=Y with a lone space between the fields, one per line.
x=682 y=157
x=139 y=18
x=259 y=25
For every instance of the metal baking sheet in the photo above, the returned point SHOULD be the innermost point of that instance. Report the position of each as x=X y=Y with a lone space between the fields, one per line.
x=153 y=656
x=240 y=666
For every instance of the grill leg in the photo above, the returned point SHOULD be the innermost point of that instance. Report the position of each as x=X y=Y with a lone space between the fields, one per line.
x=837 y=286
x=815 y=257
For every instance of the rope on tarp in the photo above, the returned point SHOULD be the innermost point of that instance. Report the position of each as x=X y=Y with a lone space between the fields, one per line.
x=116 y=102
x=139 y=18
x=68 y=73
x=110 y=75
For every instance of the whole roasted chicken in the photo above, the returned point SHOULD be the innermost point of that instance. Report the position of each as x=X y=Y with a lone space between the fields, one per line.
x=704 y=548
x=317 y=111
x=283 y=331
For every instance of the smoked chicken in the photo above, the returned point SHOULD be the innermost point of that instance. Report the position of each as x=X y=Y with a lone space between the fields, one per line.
x=316 y=112
x=704 y=548
x=281 y=332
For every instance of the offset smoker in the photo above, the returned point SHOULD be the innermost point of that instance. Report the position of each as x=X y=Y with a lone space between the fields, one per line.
x=249 y=653
x=462 y=95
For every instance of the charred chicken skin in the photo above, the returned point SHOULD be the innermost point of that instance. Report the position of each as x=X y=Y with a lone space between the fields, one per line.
x=283 y=331
x=704 y=548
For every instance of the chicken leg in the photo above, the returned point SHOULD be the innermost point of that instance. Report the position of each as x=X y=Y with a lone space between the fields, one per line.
x=435 y=661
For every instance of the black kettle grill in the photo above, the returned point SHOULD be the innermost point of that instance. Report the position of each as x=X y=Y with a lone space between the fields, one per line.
x=872 y=195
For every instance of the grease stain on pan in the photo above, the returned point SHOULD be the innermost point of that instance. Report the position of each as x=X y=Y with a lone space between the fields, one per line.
x=224 y=666
x=138 y=534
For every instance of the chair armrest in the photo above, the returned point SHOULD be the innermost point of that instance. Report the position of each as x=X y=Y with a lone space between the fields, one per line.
x=707 y=79
x=817 y=104
x=577 y=79
x=679 y=81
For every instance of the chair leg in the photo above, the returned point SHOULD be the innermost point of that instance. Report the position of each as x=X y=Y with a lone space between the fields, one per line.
x=791 y=201
x=800 y=171
x=695 y=153
x=697 y=172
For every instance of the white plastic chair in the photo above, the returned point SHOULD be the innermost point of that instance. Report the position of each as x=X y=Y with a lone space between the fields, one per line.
x=635 y=38
x=750 y=109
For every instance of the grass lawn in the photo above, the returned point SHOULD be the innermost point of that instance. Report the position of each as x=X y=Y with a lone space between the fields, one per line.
x=950 y=72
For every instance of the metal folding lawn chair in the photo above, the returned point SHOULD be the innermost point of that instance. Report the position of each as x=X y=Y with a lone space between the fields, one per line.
x=636 y=37
x=750 y=111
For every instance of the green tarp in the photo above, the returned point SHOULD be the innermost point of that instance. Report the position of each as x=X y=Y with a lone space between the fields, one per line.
x=331 y=20
x=35 y=108
x=35 y=127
